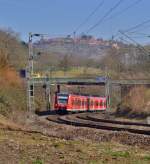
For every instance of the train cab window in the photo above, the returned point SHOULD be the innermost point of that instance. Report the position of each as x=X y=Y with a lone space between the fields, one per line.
x=62 y=98
x=62 y=101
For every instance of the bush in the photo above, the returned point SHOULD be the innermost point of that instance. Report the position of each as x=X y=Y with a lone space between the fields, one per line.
x=136 y=103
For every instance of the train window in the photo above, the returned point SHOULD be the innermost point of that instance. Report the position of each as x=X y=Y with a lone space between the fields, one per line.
x=73 y=102
x=62 y=100
x=91 y=103
x=82 y=103
x=85 y=103
x=101 y=103
x=76 y=102
x=104 y=102
x=79 y=102
x=96 y=103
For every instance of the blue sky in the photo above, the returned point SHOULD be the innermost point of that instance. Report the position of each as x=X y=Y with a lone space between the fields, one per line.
x=61 y=17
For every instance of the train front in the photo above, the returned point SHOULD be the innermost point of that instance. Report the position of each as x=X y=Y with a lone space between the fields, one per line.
x=61 y=101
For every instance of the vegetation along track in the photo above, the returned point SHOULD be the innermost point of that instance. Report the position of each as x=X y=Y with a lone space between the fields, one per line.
x=98 y=122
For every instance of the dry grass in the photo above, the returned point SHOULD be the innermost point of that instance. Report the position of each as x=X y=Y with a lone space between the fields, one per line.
x=9 y=77
x=12 y=93
x=137 y=101
x=73 y=72
x=8 y=124
x=136 y=98
x=35 y=148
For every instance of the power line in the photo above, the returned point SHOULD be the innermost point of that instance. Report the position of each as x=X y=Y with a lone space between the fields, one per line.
x=89 y=16
x=139 y=47
x=105 y=15
x=124 y=40
x=138 y=25
x=141 y=28
x=139 y=35
x=124 y=10
x=131 y=39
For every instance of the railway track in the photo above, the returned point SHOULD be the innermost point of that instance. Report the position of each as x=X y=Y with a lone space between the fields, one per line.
x=100 y=122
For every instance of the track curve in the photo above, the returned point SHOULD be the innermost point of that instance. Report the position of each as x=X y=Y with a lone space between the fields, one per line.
x=100 y=119
x=84 y=120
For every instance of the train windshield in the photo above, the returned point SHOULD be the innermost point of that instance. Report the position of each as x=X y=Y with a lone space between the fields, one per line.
x=62 y=101
x=62 y=98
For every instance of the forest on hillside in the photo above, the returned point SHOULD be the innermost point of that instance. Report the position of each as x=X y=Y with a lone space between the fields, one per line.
x=125 y=60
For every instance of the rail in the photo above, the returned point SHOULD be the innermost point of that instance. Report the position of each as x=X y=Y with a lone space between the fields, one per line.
x=104 y=124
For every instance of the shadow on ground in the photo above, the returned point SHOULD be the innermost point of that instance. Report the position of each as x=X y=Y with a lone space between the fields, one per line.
x=45 y=113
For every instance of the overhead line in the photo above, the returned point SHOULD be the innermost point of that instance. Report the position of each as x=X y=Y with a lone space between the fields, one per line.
x=124 y=10
x=137 y=30
x=134 y=32
x=105 y=15
x=141 y=47
x=138 y=34
x=122 y=39
x=135 y=27
x=138 y=25
x=89 y=16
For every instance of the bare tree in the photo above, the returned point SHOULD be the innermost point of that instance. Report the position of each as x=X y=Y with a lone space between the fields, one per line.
x=65 y=63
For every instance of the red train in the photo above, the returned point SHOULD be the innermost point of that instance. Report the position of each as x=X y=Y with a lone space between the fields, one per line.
x=75 y=102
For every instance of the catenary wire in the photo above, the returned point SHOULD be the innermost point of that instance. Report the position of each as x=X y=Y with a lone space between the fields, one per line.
x=105 y=15
x=124 y=10
x=131 y=39
x=89 y=16
x=137 y=26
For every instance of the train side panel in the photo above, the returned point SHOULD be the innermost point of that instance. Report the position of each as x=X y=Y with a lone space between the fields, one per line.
x=97 y=103
x=77 y=103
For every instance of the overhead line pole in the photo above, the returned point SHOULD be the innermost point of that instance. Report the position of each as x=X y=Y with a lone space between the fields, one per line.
x=30 y=72
x=30 y=82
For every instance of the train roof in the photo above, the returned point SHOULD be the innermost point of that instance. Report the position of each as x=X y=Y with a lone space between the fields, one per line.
x=86 y=95
x=62 y=94
x=79 y=94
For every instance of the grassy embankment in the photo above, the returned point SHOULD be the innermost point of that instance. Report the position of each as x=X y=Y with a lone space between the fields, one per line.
x=12 y=94
x=38 y=149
